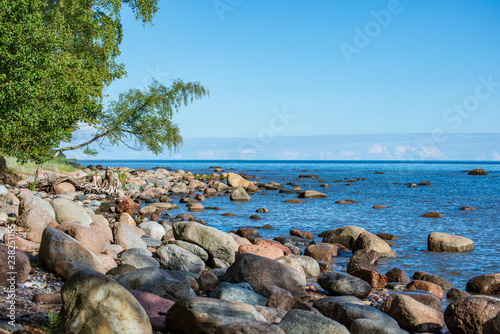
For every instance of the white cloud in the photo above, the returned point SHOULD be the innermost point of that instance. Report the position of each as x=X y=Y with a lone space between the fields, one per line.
x=206 y=154
x=377 y=149
x=350 y=155
x=496 y=156
x=431 y=152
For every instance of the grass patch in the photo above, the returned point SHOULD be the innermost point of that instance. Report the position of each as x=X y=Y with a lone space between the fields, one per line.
x=55 y=165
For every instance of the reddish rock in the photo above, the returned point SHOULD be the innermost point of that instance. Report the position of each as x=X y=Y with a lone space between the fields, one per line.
x=256 y=217
x=324 y=266
x=208 y=282
x=64 y=187
x=245 y=232
x=286 y=302
x=128 y=206
x=397 y=275
x=21 y=266
x=426 y=286
x=267 y=251
x=380 y=207
x=91 y=239
x=468 y=315
x=320 y=253
x=373 y=278
x=433 y=215
x=48 y=298
x=301 y=234
x=295 y=201
x=67 y=268
x=367 y=255
x=155 y=307
x=467 y=208
x=20 y=243
x=387 y=236
x=488 y=284
x=265 y=242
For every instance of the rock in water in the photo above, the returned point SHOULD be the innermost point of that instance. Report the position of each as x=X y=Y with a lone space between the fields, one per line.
x=342 y=235
x=488 y=284
x=220 y=246
x=469 y=314
x=342 y=284
x=367 y=240
x=236 y=180
x=478 y=171
x=240 y=195
x=443 y=242
x=96 y=304
x=260 y=272
x=204 y=315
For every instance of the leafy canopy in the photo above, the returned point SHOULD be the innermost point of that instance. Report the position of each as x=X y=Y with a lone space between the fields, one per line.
x=56 y=57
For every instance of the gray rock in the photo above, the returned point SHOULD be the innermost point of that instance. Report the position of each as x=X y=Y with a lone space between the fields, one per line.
x=306 y=322
x=369 y=326
x=169 y=284
x=35 y=219
x=125 y=236
x=220 y=246
x=367 y=240
x=135 y=251
x=310 y=265
x=34 y=202
x=58 y=246
x=342 y=235
x=190 y=247
x=249 y=327
x=241 y=292
x=240 y=195
x=341 y=284
x=141 y=261
x=94 y=303
x=150 y=242
x=153 y=230
x=3 y=190
x=328 y=306
x=347 y=313
x=177 y=258
x=67 y=210
x=204 y=315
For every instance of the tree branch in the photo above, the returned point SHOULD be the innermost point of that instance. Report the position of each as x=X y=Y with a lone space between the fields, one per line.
x=69 y=148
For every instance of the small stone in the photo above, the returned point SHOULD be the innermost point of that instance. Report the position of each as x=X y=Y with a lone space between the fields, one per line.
x=433 y=215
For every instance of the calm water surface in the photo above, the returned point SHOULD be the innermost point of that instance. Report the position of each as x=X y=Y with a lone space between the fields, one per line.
x=451 y=190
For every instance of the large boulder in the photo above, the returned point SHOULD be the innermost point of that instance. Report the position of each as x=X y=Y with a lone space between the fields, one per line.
x=342 y=235
x=311 y=194
x=306 y=322
x=235 y=180
x=94 y=304
x=367 y=240
x=192 y=248
x=169 y=284
x=469 y=314
x=35 y=202
x=342 y=284
x=101 y=224
x=310 y=265
x=260 y=272
x=153 y=230
x=240 y=292
x=35 y=219
x=248 y=327
x=177 y=258
x=58 y=246
x=13 y=261
x=347 y=313
x=67 y=210
x=328 y=306
x=220 y=246
x=412 y=315
x=369 y=326
x=126 y=236
x=442 y=282
x=204 y=315
x=155 y=307
x=478 y=171
x=488 y=284
x=240 y=195
x=492 y=326
x=443 y=242
x=91 y=239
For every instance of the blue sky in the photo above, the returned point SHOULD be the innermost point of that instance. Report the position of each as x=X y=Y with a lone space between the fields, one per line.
x=279 y=70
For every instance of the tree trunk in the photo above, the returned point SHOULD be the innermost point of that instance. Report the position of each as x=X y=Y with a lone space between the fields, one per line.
x=69 y=148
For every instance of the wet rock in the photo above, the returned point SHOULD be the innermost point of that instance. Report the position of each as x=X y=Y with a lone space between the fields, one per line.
x=262 y=210
x=220 y=246
x=412 y=315
x=306 y=322
x=241 y=292
x=311 y=194
x=67 y=210
x=443 y=242
x=310 y=265
x=268 y=251
x=367 y=255
x=426 y=286
x=295 y=201
x=260 y=272
x=196 y=207
x=397 y=275
x=454 y=294
x=294 y=241
x=387 y=236
x=367 y=240
x=347 y=313
x=321 y=252
x=301 y=234
x=467 y=208
x=177 y=258
x=478 y=171
x=488 y=284
x=204 y=315
x=240 y=195
x=380 y=207
x=155 y=307
x=342 y=235
x=372 y=277
x=171 y=284
x=425 y=184
x=58 y=246
x=355 y=265
x=341 y=284
x=432 y=215
x=126 y=236
x=17 y=262
x=468 y=315
x=95 y=303
x=249 y=327
x=443 y=283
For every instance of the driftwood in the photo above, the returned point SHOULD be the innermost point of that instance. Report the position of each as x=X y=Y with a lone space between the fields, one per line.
x=108 y=186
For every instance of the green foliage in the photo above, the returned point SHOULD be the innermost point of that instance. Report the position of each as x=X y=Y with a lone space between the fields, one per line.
x=29 y=167
x=122 y=177
x=54 y=321
x=143 y=118
x=56 y=57
x=204 y=176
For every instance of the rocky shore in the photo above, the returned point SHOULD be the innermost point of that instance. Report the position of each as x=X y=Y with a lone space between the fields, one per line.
x=104 y=251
